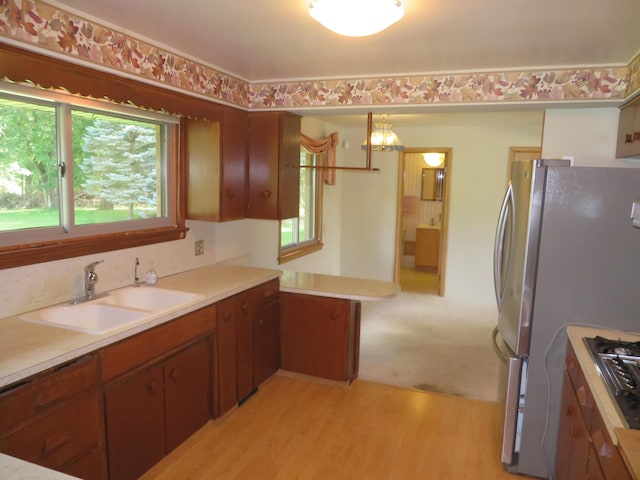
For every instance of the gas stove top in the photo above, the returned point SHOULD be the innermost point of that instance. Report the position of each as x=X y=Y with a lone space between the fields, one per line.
x=619 y=365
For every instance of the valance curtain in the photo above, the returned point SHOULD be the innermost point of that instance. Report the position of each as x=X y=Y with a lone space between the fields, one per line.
x=325 y=145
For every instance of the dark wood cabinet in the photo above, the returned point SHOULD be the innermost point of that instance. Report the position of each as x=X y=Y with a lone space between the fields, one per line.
x=320 y=336
x=274 y=154
x=151 y=412
x=247 y=343
x=585 y=449
x=216 y=163
x=56 y=420
x=628 y=144
x=135 y=424
x=266 y=331
x=227 y=356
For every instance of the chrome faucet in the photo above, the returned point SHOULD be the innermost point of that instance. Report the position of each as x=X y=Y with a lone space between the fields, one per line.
x=136 y=278
x=90 y=280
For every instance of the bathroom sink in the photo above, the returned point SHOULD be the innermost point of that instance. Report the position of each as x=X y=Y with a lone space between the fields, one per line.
x=90 y=317
x=118 y=309
x=150 y=299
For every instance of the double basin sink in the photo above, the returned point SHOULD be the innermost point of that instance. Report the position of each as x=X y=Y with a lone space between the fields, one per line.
x=118 y=309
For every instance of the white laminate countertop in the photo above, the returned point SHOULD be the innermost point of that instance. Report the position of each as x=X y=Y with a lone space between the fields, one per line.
x=337 y=286
x=15 y=469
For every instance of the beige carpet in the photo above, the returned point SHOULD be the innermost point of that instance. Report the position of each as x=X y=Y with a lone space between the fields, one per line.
x=427 y=342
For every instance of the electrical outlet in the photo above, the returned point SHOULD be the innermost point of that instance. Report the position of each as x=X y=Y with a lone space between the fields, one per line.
x=199 y=245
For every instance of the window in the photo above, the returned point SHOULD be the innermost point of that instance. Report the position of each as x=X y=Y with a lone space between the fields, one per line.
x=72 y=168
x=303 y=234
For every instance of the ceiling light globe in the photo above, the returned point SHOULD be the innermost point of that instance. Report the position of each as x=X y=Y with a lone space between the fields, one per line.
x=356 y=18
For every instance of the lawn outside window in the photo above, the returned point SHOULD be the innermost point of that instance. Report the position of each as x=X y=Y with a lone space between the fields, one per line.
x=302 y=235
x=73 y=168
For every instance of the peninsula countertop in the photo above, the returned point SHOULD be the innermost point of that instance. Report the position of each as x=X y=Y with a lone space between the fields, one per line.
x=336 y=286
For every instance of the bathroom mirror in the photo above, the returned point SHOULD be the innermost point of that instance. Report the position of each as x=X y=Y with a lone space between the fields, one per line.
x=432 y=184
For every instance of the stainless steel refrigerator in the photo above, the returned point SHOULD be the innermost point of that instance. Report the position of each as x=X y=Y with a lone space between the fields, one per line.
x=566 y=253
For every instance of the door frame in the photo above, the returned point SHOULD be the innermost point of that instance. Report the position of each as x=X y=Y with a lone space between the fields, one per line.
x=444 y=227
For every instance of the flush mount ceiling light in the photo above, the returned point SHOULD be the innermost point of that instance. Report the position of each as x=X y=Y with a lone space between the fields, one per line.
x=433 y=159
x=383 y=139
x=356 y=18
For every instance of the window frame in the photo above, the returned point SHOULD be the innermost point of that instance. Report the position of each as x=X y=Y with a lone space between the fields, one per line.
x=52 y=243
x=288 y=253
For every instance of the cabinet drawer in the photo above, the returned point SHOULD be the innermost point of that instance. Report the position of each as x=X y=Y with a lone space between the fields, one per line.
x=45 y=392
x=266 y=293
x=60 y=437
x=144 y=347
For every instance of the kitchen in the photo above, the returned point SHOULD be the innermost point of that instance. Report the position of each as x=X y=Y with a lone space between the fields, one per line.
x=358 y=202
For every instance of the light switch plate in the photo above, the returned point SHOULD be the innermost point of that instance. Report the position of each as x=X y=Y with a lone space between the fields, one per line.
x=199 y=247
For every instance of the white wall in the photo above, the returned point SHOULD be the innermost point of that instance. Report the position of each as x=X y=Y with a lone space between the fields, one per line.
x=587 y=134
x=480 y=143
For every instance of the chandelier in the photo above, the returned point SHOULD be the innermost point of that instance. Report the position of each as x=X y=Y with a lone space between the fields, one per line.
x=383 y=139
x=356 y=18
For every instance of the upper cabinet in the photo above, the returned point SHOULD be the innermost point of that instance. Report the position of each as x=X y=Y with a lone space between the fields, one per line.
x=629 y=130
x=274 y=154
x=216 y=163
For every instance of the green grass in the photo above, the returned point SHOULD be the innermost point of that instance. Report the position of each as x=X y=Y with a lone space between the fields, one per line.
x=32 y=218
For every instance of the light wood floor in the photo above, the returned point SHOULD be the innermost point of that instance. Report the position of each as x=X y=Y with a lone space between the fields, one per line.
x=412 y=280
x=295 y=429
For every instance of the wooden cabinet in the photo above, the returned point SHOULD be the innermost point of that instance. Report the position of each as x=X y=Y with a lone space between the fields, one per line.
x=247 y=343
x=629 y=130
x=274 y=153
x=216 y=162
x=585 y=449
x=266 y=331
x=56 y=420
x=427 y=252
x=320 y=336
x=157 y=392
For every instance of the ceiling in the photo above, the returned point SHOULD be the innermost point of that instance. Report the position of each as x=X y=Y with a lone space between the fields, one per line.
x=260 y=40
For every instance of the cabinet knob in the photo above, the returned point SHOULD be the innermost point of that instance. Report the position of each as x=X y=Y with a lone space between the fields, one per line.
x=261 y=322
x=55 y=441
x=176 y=373
x=266 y=194
x=152 y=386
x=230 y=194
x=333 y=315
x=226 y=316
x=245 y=307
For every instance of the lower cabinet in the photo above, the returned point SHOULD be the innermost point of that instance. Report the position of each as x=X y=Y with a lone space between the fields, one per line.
x=248 y=343
x=151 y=412
x=585 y=450
x=56 y=420
x=320 y=336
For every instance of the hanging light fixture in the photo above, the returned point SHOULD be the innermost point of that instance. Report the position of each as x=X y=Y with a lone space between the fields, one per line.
x=433 y=159
x=356 y=18
x=383 y=139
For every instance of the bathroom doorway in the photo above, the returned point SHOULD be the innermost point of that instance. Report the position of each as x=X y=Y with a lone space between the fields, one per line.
x=422 y=218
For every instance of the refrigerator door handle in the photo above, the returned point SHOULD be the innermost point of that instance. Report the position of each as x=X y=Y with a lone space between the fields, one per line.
x=502 y=245
x=504 y=356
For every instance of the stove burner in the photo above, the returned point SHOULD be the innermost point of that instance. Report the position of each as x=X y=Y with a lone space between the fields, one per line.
x=619 y=365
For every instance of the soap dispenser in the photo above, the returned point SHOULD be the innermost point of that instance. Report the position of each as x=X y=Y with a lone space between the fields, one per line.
x=151 y=277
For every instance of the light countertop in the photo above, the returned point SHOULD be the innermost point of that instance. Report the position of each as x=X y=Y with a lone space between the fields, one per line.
x=15 y=469
x=628 y=440
x=337 y=286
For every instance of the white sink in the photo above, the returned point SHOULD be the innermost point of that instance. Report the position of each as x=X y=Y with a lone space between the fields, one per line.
x=150 y=299
x=90 y=317
x=118 y=309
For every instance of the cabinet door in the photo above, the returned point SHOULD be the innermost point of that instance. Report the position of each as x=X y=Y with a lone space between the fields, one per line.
x=315 y=336
x=427 y=248
x=227 y=356
x=135 y=424
x=266 y=341
x=572 y=456
x=186 y=380
x=234 y=164
x=203 y=167
x=244 y=323
x=274 y=147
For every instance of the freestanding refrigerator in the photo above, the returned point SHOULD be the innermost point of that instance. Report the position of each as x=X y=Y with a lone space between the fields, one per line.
x=566 y=253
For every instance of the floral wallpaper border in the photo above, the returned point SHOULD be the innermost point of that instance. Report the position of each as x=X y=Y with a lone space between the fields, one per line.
x=45 y=27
